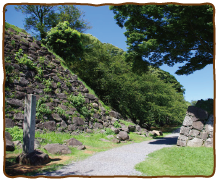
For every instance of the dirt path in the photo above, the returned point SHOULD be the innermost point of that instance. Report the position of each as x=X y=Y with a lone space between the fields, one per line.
x=117 y=161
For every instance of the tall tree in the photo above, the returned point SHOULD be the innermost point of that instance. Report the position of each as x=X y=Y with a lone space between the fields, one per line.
x=168 y=34
x=41 y=18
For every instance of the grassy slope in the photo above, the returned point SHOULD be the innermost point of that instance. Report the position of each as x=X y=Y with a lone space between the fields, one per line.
x=178 y=161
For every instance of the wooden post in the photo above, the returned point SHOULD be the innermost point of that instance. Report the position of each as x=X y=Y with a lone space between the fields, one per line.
x=29 y=123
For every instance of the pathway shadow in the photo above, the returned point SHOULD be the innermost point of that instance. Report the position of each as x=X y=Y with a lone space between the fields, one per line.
x=165 y=140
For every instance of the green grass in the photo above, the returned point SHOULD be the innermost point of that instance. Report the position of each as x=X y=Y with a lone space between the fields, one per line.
x=178 y=161
x=17 y=29
x=126 y=123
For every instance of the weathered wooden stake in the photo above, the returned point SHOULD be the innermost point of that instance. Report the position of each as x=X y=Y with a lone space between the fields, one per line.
x=29 y=123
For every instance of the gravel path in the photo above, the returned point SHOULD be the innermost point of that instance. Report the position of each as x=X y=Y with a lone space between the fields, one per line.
x=117 y=161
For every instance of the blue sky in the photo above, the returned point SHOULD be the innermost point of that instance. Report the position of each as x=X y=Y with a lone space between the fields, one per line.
x=199 y=85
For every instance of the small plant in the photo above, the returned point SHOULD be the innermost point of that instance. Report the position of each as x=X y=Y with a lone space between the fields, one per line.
x=47 y=89
x=117 y=125
x=77 y=101
x=108 y=131
x=23 y=59
x=16 y=133
x=58 y=84
x=13 y=43
x=60 y=111
x=41 y=110
x=41 y=60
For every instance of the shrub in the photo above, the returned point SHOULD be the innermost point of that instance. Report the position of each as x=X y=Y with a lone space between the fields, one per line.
x=117 y=125
x=64 y=41
x=16 y=133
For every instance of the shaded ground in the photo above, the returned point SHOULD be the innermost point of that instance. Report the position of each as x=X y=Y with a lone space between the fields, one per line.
x=14 y=169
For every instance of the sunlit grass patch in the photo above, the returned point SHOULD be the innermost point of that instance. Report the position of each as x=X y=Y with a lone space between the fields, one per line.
x=178 y=161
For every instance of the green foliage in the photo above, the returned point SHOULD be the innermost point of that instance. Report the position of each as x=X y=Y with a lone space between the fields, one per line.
x=23 y=59
x=16 y=133
x=41 y=18
x=167 y=34
x=77 y=101
x=126 y=123
x=18 y=30
x=117 y=125
x=151 y=98
x=108 y=131
x=41 y=108
x=65 y=42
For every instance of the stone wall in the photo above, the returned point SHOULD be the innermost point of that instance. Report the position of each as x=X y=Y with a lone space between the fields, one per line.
x=197 y=128
x=52 y=85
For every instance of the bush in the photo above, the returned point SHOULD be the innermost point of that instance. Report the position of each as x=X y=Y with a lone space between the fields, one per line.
x=64 y=41
x=16 y=133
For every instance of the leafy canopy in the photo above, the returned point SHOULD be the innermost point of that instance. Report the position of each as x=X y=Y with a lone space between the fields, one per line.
x=168 y=34
x=151 y=98
x=41 y=18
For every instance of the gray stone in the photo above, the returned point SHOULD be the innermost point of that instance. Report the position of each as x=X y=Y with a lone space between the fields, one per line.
x=157 y=133
x=78 y=121
x=50 y=125
x=9 y=123
x=90 y=96
x=181 y=143
x=98 y=125
x=115 y=130
x=19 y=116
x=184 y=130
x=209 y=142
x=56 y=117
x=209 y=124
x=14 y=102
x=115 y=140
x=89 y=131
x=95 y=105
x=198 y=125
x=122 y=135
x=194 y=132
x=23 y=81
x=203 y=135
x=138 y=128
x=62 y=96
x=34 y=158
x=9 y=143
x=113 y=114
x=131 y=128
x=183 y=138
x=73 y=142
x=196 y=142
x=187 y=121
x=63 y=124
x=81 y=147
x=72 y=127
x=57 y=149
x=20 y=95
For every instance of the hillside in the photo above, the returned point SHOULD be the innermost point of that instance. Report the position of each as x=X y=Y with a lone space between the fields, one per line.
x=64 y=103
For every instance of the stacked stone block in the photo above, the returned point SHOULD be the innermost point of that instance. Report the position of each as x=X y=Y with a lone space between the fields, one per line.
x=197 y=128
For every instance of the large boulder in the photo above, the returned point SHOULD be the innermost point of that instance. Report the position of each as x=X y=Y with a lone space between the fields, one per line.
x=132 y=128
x=73 y=142
x=34 y=158
x=122 y=135
x=196 y=142
x=157 y=133
x=57 y=149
